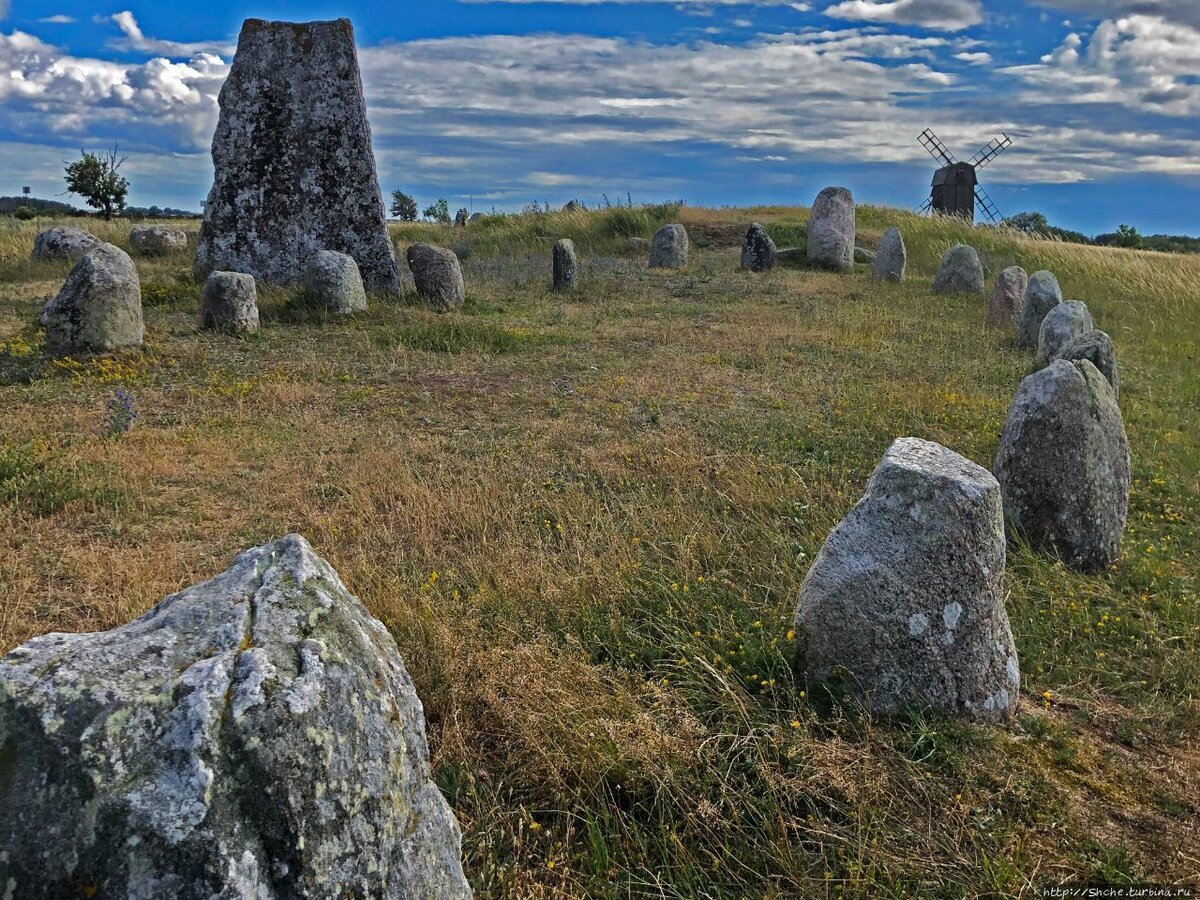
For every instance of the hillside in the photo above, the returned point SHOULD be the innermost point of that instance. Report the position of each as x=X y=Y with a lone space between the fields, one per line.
x=585 y=520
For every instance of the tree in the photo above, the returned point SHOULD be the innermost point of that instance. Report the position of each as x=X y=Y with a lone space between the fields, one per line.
x=439 y=212
x=95 y=178
x=404 y=207
x=1029 y=222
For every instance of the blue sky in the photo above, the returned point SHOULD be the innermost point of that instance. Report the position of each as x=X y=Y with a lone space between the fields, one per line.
x=501 y=102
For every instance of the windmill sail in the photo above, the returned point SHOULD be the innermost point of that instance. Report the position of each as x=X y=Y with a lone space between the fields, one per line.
x=986 y=204
x=936 y=148
x=990 y=151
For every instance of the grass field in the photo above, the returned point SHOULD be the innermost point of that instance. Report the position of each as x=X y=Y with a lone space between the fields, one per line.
x=585 y=519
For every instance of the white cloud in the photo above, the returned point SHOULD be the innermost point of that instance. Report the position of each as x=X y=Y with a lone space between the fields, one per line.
x=1185 y=11
x=135 y=40
x=942 y=15
x=976 y=59
x=58 y=19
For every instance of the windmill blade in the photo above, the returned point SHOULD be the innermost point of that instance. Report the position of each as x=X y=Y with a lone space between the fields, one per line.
x=926 y=206
x=990 y=151
x=936 y=148
x=986 y=204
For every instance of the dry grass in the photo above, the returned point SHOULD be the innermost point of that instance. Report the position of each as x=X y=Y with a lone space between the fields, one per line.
x=585 y=519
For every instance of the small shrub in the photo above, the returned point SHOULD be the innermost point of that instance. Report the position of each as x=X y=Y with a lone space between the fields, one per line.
x=25 y=213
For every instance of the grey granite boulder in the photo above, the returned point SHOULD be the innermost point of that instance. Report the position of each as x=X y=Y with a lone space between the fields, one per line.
x=99 y=307
x=831 y=230
x=229 y=303
x=1096 y=347
x=293 y=167
x=566 y=266
x=669 y=248
x=333 y=278
x=157 y=240
x=960 y=272
x=758 y=250
x=1008 y=297
x=437 y=275
x=254 y=736
x=64 y=242
x=1065 y=322
x=1041 y=296
x=891 y=259
x=904 y=605
x=1063 y=464
x=863 y=255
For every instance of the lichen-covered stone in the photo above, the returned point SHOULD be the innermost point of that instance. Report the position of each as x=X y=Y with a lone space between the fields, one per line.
x=437 y=275
x=891 y=259
x=1065 y=322
x=566 y=265
x=758 y=250
x=669 y=248
x=960 y=272
x=229 y=303
x=831 y=230
x=863 y=255
x=1008 y=298
x=904 y=605
x=1096 y=347
x=157 y=240
x=64 y=242
x=255 y=736
x=294 y=172
x=333 y=278
x=1041 y=296
x=99 y=307
x=1063 y=464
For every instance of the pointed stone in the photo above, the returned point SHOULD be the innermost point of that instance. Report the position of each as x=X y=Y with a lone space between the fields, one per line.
x=891 y=259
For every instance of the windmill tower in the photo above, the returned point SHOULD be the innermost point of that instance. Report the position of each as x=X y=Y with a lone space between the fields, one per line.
x=956 y=187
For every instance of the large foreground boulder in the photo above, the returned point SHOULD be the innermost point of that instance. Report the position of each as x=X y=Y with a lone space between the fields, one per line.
x=99 y=307
x=255 y=736
x=1097 y=348
x=904 y=605
x=1008 y=298
x=293 y=167
x=1065 y=322
x=758 y=250
x=333 y=279
x=891 y=259
x=64 y=242
x=1041 y=296
x=566 y=265
x=229 y=303
x=1063 y=464
x=157 y=240
x=831 y=230
x=669 y=248
x=437 y=275
x=960 y=272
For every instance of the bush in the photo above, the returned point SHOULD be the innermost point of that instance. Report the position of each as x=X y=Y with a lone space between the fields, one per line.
x=25 y=213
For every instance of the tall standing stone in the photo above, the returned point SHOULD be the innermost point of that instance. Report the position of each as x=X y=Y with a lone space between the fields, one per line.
x=669 y=248
x=99 y=307
x=960 y=272
x=891 y=259
x=831 y=230
x=1042 y=295
x=294 y=172
x=1065 y=322
x=1008 y=298
x=758 y=250
x=566 y=266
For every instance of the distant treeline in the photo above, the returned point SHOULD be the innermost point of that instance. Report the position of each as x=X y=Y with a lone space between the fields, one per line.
x=9 y=205
x=1126 y=236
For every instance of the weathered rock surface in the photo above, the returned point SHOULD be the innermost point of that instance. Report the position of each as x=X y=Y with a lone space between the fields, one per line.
x=891 y=260
x=960 y=272
x=831 y=230
x=333 y=278
x=229 y=303
x=255 y=736
x=99 y=307
x=157 y=240
x=1042 y=295
x=669 y=248
x=294 y=172
x=639 y=244
x=758 y=250
x=64 y=242
x=1097 y=348
x=1063 y=464
x=1008 y=298
x=566 y=266
x=437 y=275
x=1065 y=322
x=905 y=602
x=863 y=255
x=791 y=255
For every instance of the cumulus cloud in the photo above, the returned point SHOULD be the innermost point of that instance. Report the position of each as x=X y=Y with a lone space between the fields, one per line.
x=58 y=19
x=941 y=15
x=1185 y=11
x=134 y=40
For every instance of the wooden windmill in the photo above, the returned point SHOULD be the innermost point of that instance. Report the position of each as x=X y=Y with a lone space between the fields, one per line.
x=956 y=187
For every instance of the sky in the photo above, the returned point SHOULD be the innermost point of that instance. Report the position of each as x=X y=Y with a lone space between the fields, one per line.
x=499 y=103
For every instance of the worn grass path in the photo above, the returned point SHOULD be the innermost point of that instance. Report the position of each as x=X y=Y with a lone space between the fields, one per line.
x=585 y=520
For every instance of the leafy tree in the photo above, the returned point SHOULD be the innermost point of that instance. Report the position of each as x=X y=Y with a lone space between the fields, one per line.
x=1029 y=222
x=1125 y=236
x=404 y=207
x=439 y=212
x=95 y=178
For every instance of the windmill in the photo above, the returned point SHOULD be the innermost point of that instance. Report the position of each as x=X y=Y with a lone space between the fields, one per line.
x=956 y=187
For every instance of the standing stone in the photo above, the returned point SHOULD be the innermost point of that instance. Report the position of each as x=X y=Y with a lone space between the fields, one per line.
x=254 y=736
x=1042 y=295
x=333 y=278
x=1065 y=322
x=1097 y=348
x=669 y=248
x=891 y=260
x=99 y=307
x=566 y=266
x=294 y=172
x=1008 y=297
x=758 y=250
x=64 y=242
x=229 y=303
x=904 y=604
x=573 y=206
x=437 y=275
x=831 y=230
x=461 y=217
x=960 y=272
x=157 y=240
x=1063 y=464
